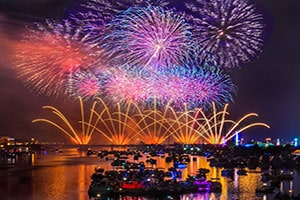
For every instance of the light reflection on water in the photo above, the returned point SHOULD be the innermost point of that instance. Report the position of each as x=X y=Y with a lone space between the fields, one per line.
x=66 y=175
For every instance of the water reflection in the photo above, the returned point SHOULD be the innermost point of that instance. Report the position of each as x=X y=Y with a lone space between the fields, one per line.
x=66 y=175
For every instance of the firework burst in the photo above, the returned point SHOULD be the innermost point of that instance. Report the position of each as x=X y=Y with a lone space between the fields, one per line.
x=116 y=126
x=109 y=9
x=216 y=129
x=82 y=136
x=46 y=58
x=93 y=15
x=193 y=88
x=149 y=36
x=85 y=83
x=231 y=30
x=152 y=126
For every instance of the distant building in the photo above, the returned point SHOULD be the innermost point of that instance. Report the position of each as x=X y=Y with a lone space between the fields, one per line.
x=6 y=141
x=10 y=141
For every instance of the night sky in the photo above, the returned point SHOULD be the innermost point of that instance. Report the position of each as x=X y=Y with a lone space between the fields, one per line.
x=269 y=86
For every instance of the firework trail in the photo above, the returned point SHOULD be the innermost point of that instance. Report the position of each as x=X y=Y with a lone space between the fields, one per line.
x=150 y=36
x=65 y=125
x=178 y=86
x=47 y=57
x=231 y=30
x=217 y=129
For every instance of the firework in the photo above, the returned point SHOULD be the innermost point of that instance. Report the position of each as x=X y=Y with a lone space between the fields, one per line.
x=150 y=36
x=231 y=30
x=109 y=9
x=48 y=56
x=152 y=124
x=92 y=25
x=216 y=129
x=182 y=124
x=197 y=87
x=85 y=83
x=65 y=126
x=93 y=15
x=117 y=126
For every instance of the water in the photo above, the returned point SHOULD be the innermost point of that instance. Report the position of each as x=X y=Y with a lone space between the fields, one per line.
x=56 y=176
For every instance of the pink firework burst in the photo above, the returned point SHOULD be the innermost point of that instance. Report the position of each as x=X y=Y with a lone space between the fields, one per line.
x=46 y=58
x=86 y=84
x=178 y=86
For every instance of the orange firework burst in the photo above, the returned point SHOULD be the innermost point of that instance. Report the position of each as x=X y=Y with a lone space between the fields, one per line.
x=117 y=126
x=182 y=124
x=152 y=126
x=216 y=129
x=65 y=126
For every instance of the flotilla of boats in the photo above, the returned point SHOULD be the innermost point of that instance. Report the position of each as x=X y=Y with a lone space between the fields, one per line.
x=135 y=179
x=147 y=182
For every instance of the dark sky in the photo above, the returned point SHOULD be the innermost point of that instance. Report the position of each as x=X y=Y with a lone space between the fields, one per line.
x=269 y=86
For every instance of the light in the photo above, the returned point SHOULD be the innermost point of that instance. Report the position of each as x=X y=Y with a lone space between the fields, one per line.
x=268 y=140
x=277 y=142
x=248 y=145
x=296 y=142
x=237 y=139
x=223 y=141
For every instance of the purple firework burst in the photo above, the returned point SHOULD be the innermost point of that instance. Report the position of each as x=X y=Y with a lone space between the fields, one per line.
x=177 y=85
x=150 y=36
x=230 y=30
x=109 y=9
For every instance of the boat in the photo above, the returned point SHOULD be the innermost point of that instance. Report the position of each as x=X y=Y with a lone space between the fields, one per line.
x=148 y=182
x=99 y=190
x=265 y=189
